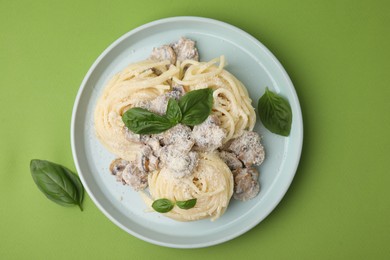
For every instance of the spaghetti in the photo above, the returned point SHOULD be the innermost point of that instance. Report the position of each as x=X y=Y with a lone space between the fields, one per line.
x=211 y=184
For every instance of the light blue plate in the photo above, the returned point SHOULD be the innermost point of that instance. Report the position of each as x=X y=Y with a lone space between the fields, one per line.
x=250 y=62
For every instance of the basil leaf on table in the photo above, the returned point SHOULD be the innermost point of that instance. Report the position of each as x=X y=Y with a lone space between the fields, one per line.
x=196 y=106
x=163 y=205
x=58 y=183
x=187 y=204
x=142 y=121
x=275 y=113
x=173 y=111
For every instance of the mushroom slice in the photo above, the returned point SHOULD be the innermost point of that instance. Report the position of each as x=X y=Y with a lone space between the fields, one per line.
x=134 y=177
x=179 y=134
x=147 y=161
x=248 y=148
x=185 y=49
x=246 y=185
x=164 y=52
x=208 y=135
x=178 y=90
x=180 y=163
x=231 y=160
x=117 y=166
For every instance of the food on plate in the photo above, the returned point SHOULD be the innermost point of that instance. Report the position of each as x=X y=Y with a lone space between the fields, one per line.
x=182 y=132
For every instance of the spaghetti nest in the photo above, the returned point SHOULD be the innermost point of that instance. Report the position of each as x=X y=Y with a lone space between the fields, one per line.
x=135 y=84
x=232 y=104
x=211 y=184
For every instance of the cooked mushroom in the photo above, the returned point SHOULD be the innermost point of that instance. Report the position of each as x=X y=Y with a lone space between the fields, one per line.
x=131 y=136
x=179 y=89
x=208 y=135
x=180 y=163
x=231 y=160
x=246 y=185
x=147 y=161
x=117 y=166
x=159 y=104
x=153 y=141
x=248 y=148
x=134 y=177
x=164 y=52
x=185 y=49
x=179 y=134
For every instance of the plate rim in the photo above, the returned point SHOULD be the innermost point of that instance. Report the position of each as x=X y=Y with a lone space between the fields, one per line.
x=181 y=19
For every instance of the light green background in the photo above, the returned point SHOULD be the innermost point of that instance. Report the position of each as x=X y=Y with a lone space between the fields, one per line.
x=337 y=54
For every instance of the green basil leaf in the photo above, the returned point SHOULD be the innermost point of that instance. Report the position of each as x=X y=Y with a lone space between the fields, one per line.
x=187 y=204
x=142 y=121
x=275 y=113
x=173 y=111
x=196 y=106
x=58 y=183
x=79 y=186
x=162 y=205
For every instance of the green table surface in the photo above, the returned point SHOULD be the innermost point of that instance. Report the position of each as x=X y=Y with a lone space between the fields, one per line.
x=337 y=54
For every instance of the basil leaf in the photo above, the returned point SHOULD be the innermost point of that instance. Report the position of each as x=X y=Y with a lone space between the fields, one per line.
x=196 y=106
x=58 y=183
x=162 y=205
x=173 y=111
x=275 y=113
x=79 y=186
x=187 y=204
x=142 y=121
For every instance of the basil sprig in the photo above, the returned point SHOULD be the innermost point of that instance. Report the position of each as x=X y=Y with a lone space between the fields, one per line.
x=191 y=109
x=275 y=113
x=166 y=205
x=58 y=183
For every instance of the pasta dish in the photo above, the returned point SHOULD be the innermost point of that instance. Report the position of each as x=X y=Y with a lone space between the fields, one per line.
x=206 y=163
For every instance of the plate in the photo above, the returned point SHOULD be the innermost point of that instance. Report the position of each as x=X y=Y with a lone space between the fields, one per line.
x=253 y=64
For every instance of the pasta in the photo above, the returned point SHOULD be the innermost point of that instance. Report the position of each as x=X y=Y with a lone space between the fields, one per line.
x=211 y=184
x=138 y=83
x=232 y=104
x=134 y=84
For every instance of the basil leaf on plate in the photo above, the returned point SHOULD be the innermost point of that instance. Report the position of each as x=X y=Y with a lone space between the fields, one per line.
x=187 y=204
x=196 y=106
x=173 y=111
x=163 y=205
x=275 y=113
x=142 y=121
x=58 y=183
